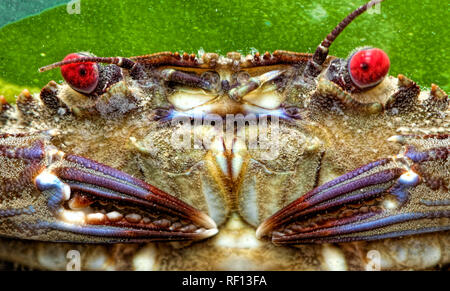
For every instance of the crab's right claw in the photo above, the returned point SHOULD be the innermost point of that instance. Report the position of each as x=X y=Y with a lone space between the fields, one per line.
x=403 y=195
x=79 y=199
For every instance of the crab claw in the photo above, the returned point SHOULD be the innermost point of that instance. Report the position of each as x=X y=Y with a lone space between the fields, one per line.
x=83 y=200
x=387 y=198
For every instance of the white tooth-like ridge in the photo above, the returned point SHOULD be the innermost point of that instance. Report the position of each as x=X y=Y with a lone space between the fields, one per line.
x=77 y=217
x=95 y=217
x=133 y=218
x=114 y=216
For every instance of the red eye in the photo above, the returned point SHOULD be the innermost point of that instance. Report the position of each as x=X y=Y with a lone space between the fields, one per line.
x=82 y=77
x=368 y=67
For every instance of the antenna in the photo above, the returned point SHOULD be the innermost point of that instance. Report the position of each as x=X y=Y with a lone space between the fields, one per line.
x=314 y=66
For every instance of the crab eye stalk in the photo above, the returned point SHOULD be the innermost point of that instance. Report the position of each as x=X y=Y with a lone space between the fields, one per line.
x=368 y=67
x=82 y=77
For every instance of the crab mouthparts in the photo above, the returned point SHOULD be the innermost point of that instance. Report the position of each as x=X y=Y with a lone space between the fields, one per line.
x=93 y=199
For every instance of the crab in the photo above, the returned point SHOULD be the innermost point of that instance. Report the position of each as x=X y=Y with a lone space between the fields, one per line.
x=282 y=161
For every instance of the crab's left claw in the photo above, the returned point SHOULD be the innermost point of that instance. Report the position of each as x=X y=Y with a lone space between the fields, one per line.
x=153 y=215
x=46 y=194
x=403 y=195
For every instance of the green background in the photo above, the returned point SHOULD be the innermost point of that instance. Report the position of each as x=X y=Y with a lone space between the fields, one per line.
x=413 y=33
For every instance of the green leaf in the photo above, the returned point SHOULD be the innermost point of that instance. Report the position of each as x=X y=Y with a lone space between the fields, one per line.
x=415 y=35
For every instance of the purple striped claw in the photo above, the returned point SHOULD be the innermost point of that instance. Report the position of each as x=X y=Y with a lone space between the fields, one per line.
x=403 y=195
x=78 y=199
